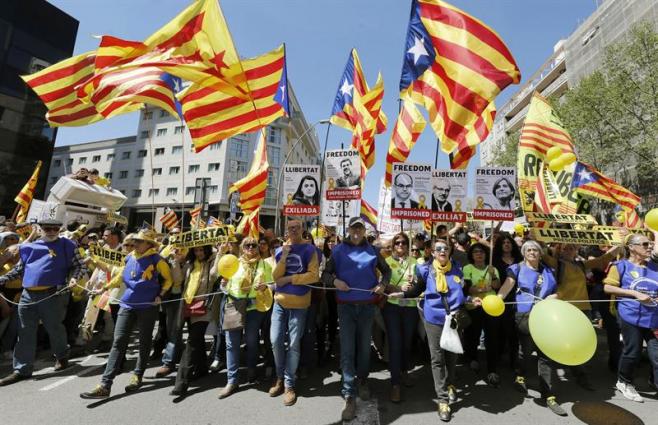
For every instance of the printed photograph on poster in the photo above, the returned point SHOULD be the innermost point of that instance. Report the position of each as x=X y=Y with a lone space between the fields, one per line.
x=449 y=190
x=342 y=174
x=495 y=192
x=411 y=191
x=332 y=212
x=301 y=191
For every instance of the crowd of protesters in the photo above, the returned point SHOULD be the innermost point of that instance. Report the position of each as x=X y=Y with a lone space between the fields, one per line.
x=295 y=298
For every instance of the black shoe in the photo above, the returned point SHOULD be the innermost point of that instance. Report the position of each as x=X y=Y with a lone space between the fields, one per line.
x=61 y=364
x=179 y=390
x=12 y=378
x=552 y=404
x=134 y=384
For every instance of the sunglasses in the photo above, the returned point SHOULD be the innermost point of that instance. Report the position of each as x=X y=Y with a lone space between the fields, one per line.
x=251 y=245
x=400 y=243
x=644 y=244
x=441 y=249
x=50 y=229
x=415 y=250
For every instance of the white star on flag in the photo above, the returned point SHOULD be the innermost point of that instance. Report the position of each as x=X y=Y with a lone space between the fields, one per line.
x=585 y=175
x=418 y=49
x=346 y=88
x=283 y=91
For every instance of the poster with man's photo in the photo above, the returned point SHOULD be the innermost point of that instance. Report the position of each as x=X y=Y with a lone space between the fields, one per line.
x=495 y=191
x=342 y=176
x=449 y=190
x=332 y=212
x=301 y=190
x=411 y=189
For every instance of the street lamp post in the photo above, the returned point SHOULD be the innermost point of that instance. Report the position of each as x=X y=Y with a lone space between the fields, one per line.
x=285 y=161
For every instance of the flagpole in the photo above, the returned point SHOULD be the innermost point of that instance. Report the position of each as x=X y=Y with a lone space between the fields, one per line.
x=436 y=165
x=152 y=179
x=182 y=204
x=324 y=150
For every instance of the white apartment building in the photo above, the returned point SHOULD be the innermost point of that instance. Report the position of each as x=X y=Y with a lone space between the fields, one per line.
x=158 y=166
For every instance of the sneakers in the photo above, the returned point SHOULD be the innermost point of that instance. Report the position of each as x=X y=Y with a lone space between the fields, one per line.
x=395 y=393
x=276 y=389
x=12 y=378
x=493 y=379
x=227 y=391
x=163 y=371
x=134 y=384
x=216 y=365
x=444 y=412
x=452 y=393
x=289 y=397
x=349 y=410
x=519 y=384
x=98 y=392
x=363 y=389
x=628 y=391
x=552 y=404
x=61 y=364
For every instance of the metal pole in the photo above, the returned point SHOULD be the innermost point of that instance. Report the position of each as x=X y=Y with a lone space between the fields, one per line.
x=182 y=203
x=152 y=180
x=436 y=165
x=324 y=150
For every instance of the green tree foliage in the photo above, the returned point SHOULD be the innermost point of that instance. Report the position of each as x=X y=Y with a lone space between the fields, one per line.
x=507 y=153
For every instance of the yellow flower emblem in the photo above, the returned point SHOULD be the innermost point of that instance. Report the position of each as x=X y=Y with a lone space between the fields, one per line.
x=52 y=253
x=457 y=279
x=148 y=273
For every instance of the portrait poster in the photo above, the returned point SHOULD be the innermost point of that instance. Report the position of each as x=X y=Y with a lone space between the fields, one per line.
x=449 y=190
x=411 y=189
x=495 y=192
x=301 y=190
x=342 y=176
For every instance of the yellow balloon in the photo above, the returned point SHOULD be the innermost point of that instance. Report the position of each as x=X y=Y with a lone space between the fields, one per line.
x=556 y=164
x=562 y=332
x=568 y=158
x=519 y=229
x=493 y=305
x=317 y=233
x=553 y=153
x=228 y=265
x=651 y=219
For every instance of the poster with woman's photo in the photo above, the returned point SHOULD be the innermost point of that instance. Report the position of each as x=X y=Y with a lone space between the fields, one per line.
x=342 y=174
x=495 y=192
x=301 y=190
x=449 y=190
x=411 y=191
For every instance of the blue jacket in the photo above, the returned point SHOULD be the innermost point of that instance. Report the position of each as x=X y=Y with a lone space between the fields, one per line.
x=642 y=279
x=432 y=304
x=47 y=263
x=540 y=283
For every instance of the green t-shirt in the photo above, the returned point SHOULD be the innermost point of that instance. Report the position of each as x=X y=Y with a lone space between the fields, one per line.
x=401 y=269
x=478 y=277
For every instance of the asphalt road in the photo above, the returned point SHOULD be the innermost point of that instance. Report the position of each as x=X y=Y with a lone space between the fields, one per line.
x=52 y=398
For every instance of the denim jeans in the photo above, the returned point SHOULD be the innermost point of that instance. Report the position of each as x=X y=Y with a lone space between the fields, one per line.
x=194 y=353
x=632 y=351
x=126 y=320
x=355 y=331
x=51 y=312
x=173 y=348
x=401 y=324
x=233 y=340
x=292 y=321
x=308 y=358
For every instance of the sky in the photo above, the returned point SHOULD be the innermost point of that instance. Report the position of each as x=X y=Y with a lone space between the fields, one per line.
x=319 y=35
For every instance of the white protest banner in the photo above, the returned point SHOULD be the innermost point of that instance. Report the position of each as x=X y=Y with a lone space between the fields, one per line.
x=449 y=189
x=342 y=175
x=412 y=188
x=384 y=222
x=301 y=191
x=494 y=193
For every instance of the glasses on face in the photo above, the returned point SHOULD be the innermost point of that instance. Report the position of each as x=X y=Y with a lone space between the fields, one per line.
x=415 y=250
x=402 y=243
x=441 y=248
x=250 y=245
x=645 y=245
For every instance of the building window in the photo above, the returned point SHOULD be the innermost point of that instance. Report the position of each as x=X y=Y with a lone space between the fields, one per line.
x=161 y=132
x=189 y=190
x=139 y=173
x=57 y=163
x=157 y=171
x=142 y=153
x=144 y=134
x=96 y=158
x=175 y=150
x=212 y=189
x=272 y=174
x=172 y=191
x=123 y=174
x=163 y=113
x=110 y=157
x=238 y=166
x=123 y=192
x=174 y=170
x=215 y=146
x=274 y=155
x=137 y=193
x=108 y=175
x=239 y=148
x=82 y=160
x=154 y=192
x=179 y=129
x=159 y=151
x=69 y=161
x=214 y=166
x=148 y=115
x=193 y=168
x=274 y=135
x=125 y=155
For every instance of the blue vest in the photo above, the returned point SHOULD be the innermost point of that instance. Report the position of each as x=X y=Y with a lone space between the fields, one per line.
x=433 y=307
x=46 y=263
x=641 y=279
x=140 y=287
x=355 y=265
x=297 y=262
x=538 y=283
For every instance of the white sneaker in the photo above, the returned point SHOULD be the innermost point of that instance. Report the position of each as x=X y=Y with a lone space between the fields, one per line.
x=216 y=366
x=628 y=391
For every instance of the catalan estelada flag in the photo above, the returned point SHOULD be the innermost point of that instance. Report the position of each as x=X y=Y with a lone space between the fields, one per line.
x=368 y=213
x=24 y=197
x=454 y=65
x=409 y=125
x=588 y=181
x=252 y=187
x=366 y=110
x=169 y=220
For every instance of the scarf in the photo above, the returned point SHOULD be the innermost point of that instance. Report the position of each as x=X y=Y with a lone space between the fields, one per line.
x=250 y=267
x=193 y=281
x=440 y=272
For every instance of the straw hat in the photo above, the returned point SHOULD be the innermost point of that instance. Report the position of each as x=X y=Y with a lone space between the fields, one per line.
x=147 y=235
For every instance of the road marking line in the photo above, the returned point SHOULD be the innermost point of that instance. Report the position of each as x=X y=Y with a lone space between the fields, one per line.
x=57 y=383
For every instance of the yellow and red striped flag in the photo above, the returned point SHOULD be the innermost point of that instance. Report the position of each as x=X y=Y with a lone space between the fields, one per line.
x=466 y=148
x=252 y=187
x=454 y=65
x=24 y=197
x=169 y=220
x=408 y=127
x=368 y=213
x=250 y=225
x=589 y=181
x=367 y=109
